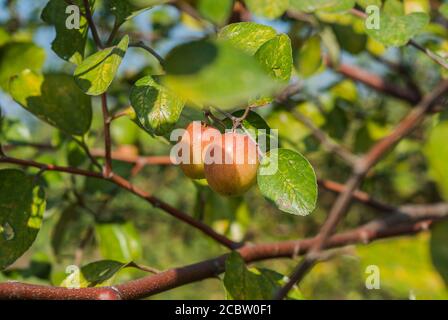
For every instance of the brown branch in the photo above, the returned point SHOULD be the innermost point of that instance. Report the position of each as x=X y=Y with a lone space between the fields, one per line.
x=126 y=185
x=107 y=139
x=411 y=223
x=92 y=26
x=342 y=204
x=375 y=82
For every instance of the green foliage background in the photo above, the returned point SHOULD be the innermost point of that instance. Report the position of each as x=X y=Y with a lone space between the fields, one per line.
x=124 y=228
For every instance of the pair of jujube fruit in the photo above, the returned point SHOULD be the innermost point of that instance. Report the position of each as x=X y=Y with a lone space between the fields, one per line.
x=228 y=161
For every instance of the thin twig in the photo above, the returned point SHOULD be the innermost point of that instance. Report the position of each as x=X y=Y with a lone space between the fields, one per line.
x=92 y=26
x=107 y=138
x=126 y=185
x=154 y=53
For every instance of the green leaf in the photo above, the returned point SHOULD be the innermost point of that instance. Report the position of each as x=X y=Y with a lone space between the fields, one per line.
x=309 y=58
x=94 y=274
x=436 y=152
x=255 y=125
x=95 y=74
x=16 y=57
x=439 y=249
x=22 y=204
x=217 y=11
x=292 y=186
x=247 y=36
x=69 y=44
x=119 y=242
x=127 y=9
x=397 y=30
x=216 y=74
x=270 y=9
x=276 y=57
x=242 y=283
x=55 y=99
x=325 y=5
x=157 y=109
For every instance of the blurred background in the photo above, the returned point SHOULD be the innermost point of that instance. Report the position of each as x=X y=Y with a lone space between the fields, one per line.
x=88 y=220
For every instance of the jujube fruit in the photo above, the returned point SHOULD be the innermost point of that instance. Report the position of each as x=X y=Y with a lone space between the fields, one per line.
x=231 y=164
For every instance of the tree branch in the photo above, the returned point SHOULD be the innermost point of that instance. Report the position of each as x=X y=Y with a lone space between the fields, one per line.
x=107 y=139
x=92 y=26
x=126 y=185
x=341 y=206
x=410 y=223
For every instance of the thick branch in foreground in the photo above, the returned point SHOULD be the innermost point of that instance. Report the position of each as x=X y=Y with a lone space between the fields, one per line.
x=414 y=220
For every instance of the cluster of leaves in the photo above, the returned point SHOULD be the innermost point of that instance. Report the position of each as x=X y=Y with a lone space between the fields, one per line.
x=242 y=64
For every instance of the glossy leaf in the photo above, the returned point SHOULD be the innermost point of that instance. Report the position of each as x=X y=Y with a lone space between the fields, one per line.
x=201 y=80
x=95 y=74
x=292 y=187
x=55 y=99
x=69 y=44
x=247 y=36
x=16 y=57
x=276 y=57
x=22 y=204
x=157 y=109
x=270 y=9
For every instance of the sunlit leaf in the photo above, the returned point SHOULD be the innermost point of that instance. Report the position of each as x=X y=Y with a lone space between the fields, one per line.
x=53 y=98
x=287 y=179
x=95 y=74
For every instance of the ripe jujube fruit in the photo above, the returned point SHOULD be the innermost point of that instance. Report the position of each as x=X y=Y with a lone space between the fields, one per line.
x=196 y=139
x=231 y=164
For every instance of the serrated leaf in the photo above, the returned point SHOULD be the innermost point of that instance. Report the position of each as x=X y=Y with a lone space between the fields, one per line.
x=247 y=36
x=16 y=57
x=55 y=99
x=95 y=74
x=118 y=241
x=436 y=152
x=325 y=5
x=69 y=44
x=292 y=186
x=276 y=57
x=215 y=73
x=22 y=204
x=217 y=11
x=270 y=9
x=242 y=283
x=397 y=30
x=157 y=109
